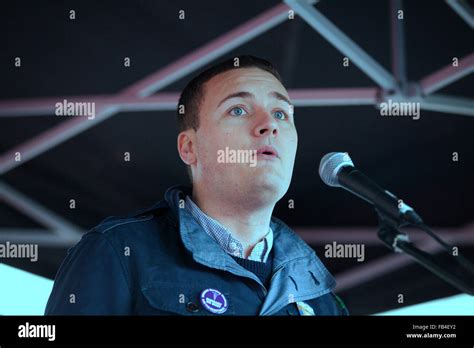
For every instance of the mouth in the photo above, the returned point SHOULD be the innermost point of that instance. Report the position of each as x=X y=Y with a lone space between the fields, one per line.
x=267 y=152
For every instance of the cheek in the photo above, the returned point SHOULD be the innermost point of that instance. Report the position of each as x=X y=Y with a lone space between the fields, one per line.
x=209 y=146
x=221 y=140
x=293 y=142
x=202 y=146
x=296 y=141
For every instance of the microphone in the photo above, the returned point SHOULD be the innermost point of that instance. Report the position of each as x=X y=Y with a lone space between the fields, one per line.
x=337 y=169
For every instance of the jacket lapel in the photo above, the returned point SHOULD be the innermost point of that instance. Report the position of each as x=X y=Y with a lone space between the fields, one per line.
x=298 y=274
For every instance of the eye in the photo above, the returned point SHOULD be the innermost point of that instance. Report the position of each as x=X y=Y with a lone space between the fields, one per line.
x=237 y=111
x=280 y=115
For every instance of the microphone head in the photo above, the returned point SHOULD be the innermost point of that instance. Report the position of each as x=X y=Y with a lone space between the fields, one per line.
x=330 y=166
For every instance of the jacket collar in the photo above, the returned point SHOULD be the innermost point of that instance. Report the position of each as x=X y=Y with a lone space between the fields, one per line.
x=298 y=273
x=290 y=246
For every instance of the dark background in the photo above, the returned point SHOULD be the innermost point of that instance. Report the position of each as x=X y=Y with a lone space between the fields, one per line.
x=413 y=159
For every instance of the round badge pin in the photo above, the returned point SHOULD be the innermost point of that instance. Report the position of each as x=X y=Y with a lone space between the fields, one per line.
x=214 y=301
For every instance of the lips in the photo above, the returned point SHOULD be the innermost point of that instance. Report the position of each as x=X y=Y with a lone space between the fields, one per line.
x=268 y=150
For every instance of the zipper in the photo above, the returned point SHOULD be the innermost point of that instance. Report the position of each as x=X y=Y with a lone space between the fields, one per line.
x=278 y=269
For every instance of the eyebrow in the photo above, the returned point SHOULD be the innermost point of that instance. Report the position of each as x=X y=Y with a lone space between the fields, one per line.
x=244 y=94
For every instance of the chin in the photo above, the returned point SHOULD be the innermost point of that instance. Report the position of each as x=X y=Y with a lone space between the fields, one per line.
x=274 y=186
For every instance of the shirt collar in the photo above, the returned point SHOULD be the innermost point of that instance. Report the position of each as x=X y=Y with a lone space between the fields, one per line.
x=225 y=238
x=297 y=260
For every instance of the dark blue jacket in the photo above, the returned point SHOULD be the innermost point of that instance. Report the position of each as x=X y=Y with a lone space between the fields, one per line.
x=159 y=260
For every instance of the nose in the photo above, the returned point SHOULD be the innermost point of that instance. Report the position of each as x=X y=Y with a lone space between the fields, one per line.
x=267 y=125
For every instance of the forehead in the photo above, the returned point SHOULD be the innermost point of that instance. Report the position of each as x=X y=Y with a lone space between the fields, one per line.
x=253 y=80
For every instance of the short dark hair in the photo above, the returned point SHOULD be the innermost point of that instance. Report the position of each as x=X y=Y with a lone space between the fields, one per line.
x=192 y=95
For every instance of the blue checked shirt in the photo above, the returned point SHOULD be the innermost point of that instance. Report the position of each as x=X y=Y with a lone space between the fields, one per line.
x=224 y=237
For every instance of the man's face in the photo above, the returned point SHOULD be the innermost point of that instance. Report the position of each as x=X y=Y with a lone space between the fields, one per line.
x=245 y=109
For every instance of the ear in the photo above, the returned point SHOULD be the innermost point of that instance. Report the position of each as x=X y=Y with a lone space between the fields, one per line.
x=186 y=147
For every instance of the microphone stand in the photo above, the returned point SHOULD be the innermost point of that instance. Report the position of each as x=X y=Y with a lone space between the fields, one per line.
x=461 y=277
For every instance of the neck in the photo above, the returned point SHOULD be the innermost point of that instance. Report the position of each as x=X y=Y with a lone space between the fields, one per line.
x=247 y=222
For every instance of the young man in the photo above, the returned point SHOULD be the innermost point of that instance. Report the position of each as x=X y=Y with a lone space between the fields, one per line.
x=212 y=248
